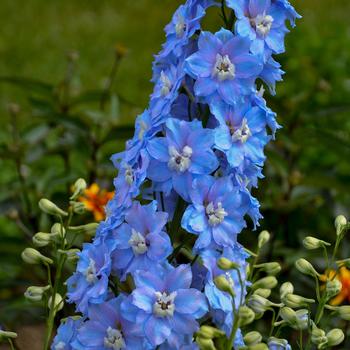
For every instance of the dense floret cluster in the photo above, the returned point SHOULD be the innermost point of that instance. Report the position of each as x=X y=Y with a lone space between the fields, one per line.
x=183 y=189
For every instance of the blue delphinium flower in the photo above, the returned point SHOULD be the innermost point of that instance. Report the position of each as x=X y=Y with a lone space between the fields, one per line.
x=164 y=304
x=223 y=66
x=140 y=242
x=278 y=344
x=89 y=284
x=107 y=329
x=271 y=73
x=178 y=158
x=263 y=21
x=242 y=132
x=216 y=212
x=66 y=334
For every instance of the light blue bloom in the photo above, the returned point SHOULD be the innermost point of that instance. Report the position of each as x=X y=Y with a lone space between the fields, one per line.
x=164 y=305
x=223 y=66
x=66 y=334
x=140 y=242
x=216 y=213
x=278 y=344
x=184 y=154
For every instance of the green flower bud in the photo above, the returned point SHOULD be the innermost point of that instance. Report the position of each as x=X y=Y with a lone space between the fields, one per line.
x=260 y=304
x=333 y=288
x=42 y=239
x=34 y=293
x=252 y=338
x=32 y=256
x=260 y=346
x=271 y=268
x=245 y=315
x=58 y=230
x=276 y=343
x=318 y=336
x=4 y=335
x=209 y=332
x=286 y=288
x=306 y=268
x=224 y=285
x=342 y=311
x=263 y=292
x=226 y=264
x=268 y=282
x=51 y=208
x=58 y=302
x=311 y=243
x=340 y=223
x=263 y=238
x=89 y=229
x=78 y=207
x=296 y=301
x=72 y=254
x=335 y=337
x=205 y=344
x=302 y=321
x=79 y=187
x=345 y=263
x=295 y=319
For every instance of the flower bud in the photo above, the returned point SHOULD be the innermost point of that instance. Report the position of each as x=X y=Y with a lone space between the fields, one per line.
x=58 y=230
x=51 y=208
x=34 y=293
x=226 y=264
x=224 y=285
x=78 y=207
x=41 y=239
x=263 y=292
x=252 y=338
x=4 y=335
x=263 y=238
x=302 y=320
x=89 y=229
x=342 y=311
x=268 y=282
x=58 y=302
x=72 y=254
x=246 y=315
x=340 y=223
x=278 y=344
x=209 y=332
x=296 y=301
x=259 y=346
x=79 y=187
x=333 y=288
x=335 y=337
x=311 y=243
x=295 y=319
x=271 y=268
x=32 y=256
x=306 y=268
x=318 y=336
x=260 y=304
x=286 y=288
x=205 y=344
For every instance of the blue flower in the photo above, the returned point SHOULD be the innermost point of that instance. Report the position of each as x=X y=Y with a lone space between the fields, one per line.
x=216 y=213
x=164 y=304
x=242 y=132
x=89 y=284
x=140 y=242
x=107 y=329
x=278 y=344
x=181 y=156
x=263 y=22
x=271 y=73
x=66 y=333
x=220 y=302
x=223 y=66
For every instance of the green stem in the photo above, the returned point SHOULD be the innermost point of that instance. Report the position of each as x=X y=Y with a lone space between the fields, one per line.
x=301 y=340
x=176 y=222
x=11 y=344
x=234 y=327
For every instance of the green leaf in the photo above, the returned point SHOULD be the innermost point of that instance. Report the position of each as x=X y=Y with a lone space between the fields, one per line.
x=30 y=85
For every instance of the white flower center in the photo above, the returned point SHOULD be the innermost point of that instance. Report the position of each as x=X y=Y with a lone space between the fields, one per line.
x=166 y=84
x=164 y=305
x=223 y=69
x=262 y=24
x=60 y=346
x=143 y=129
x=180 y=27
x=129 y=176
x=180 y=161
x=137 y=242
x=90 y=272
x=230 y=279
x=114 y=339
x=215 y=215
x=243 y=133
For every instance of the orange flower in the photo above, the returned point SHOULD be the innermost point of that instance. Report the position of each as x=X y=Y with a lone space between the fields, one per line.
x=344 y=277
x=95 y=200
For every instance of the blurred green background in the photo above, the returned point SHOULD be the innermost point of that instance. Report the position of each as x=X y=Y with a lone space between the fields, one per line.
x=67 y=102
